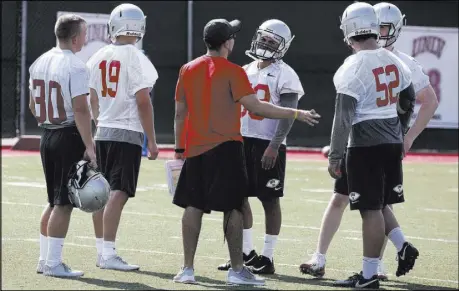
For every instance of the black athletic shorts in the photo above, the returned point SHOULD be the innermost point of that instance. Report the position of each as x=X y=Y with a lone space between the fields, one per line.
x=215 y=180
x=375 y=176
x=264 y=184
x=119 y=162
x=60 y=149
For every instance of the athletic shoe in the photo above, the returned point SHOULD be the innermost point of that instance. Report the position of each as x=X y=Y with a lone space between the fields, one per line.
x=61 y=270
x=244 y=277
x=117 y=263
x=185 y=276
x=248 y=261
x=315 y=266
x=358 y=281
x=263 y=265
x=406 y=258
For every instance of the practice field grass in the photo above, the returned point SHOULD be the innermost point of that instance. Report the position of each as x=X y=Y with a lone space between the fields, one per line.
x=150 y=232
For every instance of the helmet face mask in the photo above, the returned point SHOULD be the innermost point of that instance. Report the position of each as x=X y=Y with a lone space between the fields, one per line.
x=88 y=189
x=271 y=41
x=390 y=16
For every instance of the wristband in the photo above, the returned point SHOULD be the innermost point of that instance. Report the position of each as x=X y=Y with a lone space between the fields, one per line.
x=179 y=151
x=296 y=114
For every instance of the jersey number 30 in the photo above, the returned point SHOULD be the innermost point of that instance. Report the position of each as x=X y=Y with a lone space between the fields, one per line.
x=389 y=97
x=113 y=77
x=53 y=87
x=266 y=98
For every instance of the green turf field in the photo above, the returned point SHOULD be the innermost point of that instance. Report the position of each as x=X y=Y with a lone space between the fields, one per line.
x=150 y=232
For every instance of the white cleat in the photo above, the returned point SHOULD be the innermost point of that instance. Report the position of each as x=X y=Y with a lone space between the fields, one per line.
x=41 y=266
x=116 y=263
x=244 y=277
x=185 y=276
x=61 y=270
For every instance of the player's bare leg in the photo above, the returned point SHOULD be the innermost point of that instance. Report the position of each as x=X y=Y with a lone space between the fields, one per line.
x=44 y=238
x=98 y=221
x=238 y=273
x=191 y=228
x=111 y=221
x=58 y=226
x=406 y=252
x=382 y=275
x=373 y=229
x=331 y=221
x=264 y=264
x=249 y=253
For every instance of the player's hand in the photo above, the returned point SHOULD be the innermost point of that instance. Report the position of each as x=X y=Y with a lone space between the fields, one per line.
x=152 y=150
x=179 y=156
x=407 y=144
x=334 y=168
x=308 y=116
x=90 y=155
x=269 y=158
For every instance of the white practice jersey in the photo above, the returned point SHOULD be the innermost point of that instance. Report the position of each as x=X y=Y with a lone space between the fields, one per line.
x=374 y=78
x=117 y=73
x=57 y=77
x=269 y=83
x=418 y=77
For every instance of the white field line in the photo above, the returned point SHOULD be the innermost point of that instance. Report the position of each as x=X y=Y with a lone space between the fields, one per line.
x=257 y=223
x=206 y=257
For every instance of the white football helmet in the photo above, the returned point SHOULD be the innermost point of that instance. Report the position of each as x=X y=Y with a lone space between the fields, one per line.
x=359 y=19
x=271 y=41
x=389 y=15
x=126 y=19
x=88 y=189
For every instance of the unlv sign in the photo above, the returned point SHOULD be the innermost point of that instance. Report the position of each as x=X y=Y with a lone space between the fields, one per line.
x=436 y=50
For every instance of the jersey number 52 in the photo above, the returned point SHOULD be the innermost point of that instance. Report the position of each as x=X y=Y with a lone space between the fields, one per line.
x=388 y=97
x=113 y=77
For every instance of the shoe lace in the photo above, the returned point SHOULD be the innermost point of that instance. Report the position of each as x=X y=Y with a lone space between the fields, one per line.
x=355 y=276
x=119 y=259
x=66 y=268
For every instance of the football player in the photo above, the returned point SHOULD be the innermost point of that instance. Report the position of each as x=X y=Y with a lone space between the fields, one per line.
x=374 y=102
x=276 y=82
x=391 y=23
x=58 y=99
x=121 y=78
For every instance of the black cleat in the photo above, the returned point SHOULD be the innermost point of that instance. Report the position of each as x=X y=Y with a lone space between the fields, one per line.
x=406 y=258
x=248 y=261
x=358 y=281
x=263 y=265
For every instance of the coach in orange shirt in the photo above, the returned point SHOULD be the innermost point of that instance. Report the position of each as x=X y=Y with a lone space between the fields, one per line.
x=209 y=94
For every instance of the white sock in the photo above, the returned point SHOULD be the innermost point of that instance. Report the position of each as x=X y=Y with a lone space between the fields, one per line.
x=397 y=238
x=247 y=241
x=54 y=256
x=370 y=267
x=43 y=247
x=109 y=250
x=99 y=245
x=268 y=247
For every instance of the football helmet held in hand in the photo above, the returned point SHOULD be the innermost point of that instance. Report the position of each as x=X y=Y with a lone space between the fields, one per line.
x=88 y=188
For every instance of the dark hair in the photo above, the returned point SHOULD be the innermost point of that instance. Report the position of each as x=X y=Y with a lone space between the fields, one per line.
x=363 y=37
x=68 y=26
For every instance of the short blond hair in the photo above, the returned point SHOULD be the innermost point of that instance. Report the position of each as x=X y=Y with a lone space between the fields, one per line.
x=68 y=26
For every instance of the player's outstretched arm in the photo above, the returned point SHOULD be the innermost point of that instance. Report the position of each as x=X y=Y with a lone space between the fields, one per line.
x=268 y=110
